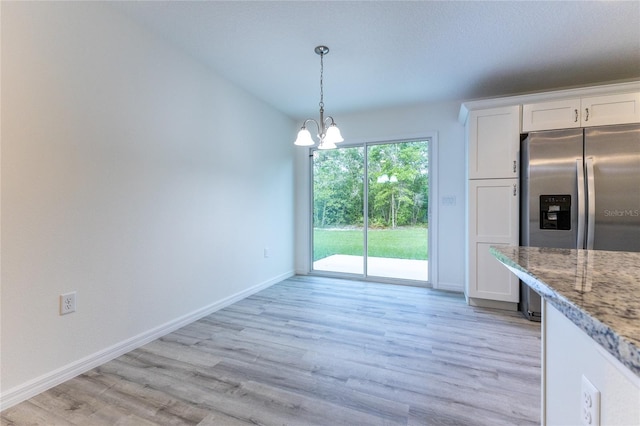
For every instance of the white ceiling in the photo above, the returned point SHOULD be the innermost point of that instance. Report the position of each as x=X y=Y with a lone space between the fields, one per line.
x=392 y=53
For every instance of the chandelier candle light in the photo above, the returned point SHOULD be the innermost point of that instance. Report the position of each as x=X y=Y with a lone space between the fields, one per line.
x=328 y=134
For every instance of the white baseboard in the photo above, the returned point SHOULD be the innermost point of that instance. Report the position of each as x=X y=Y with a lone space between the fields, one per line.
x=454 y=287
x=492 y=304
x=40 y=384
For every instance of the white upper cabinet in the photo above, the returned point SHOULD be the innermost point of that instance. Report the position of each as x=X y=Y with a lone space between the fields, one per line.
x=494 y=142
x=582 y=112
x=563 y=114
x=612 y=109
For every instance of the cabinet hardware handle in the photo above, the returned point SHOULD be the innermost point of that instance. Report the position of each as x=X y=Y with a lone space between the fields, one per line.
x=514 y=166
x=576 y=119
x=587 y=114
x=515 y=191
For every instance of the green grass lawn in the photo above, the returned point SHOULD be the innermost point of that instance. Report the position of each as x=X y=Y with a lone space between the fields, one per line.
x=399 y=243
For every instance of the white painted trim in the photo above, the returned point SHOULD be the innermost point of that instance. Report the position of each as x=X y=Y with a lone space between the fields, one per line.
x=400 y=137
x=434 y=212
x=452 y=287
x=492 y=304
x=40 y=384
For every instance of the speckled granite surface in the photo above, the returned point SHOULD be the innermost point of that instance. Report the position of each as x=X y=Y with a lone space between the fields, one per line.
x=599 y=291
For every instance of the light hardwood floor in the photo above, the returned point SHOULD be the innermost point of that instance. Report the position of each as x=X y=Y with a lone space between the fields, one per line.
x=316 y=351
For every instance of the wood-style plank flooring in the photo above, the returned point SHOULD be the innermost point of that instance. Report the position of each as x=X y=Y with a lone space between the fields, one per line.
x=316 y=351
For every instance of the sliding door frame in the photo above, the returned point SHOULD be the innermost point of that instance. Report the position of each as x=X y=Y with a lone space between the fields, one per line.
x=432 y=237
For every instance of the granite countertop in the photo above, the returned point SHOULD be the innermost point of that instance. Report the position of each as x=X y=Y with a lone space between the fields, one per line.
x=599 y=291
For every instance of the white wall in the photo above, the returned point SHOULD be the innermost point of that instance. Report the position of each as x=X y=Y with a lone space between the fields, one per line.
x=131 y=174
x=400 y=123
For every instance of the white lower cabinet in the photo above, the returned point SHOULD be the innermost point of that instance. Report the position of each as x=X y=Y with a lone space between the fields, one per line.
x=492 y=220
x=570 y=356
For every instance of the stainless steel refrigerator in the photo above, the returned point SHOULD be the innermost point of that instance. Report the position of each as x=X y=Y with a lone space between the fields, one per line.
x=580 y=189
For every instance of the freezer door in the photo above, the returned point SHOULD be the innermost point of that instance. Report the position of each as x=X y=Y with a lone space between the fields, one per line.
x=613 y=153
x=552 y=162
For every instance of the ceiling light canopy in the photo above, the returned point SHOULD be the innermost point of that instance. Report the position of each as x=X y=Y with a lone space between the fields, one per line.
x=328 y=133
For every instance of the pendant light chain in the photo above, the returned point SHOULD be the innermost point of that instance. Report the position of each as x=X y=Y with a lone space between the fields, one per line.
x=321 y=78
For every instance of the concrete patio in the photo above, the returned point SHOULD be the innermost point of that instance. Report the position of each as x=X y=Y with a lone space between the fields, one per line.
x=406 y=269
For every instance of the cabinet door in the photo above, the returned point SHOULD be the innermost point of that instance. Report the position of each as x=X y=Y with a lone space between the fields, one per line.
x=612 y=109
x=493 y=220
x=562 y=114
x=493 y=137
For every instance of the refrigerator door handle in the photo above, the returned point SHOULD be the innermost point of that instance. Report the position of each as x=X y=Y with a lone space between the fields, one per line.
x=581 y=209
x=591 y=200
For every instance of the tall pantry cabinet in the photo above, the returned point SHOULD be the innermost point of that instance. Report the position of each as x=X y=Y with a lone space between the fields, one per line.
x=493 y=144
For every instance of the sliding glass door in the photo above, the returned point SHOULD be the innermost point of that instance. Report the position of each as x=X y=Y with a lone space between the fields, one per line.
x=397 y=206
x=384 y=184
x=338 y=205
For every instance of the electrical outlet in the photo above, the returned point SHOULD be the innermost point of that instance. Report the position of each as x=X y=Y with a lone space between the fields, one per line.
x=590 y=401
x=67 y=303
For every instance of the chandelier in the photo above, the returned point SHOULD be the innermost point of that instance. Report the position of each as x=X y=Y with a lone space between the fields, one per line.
x=328 y=133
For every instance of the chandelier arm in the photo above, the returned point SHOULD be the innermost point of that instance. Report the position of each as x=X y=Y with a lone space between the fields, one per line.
x=304 y=125
x=329 y=118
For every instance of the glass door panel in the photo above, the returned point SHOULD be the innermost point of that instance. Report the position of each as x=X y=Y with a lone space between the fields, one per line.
x=338 y=209
x=398 y=205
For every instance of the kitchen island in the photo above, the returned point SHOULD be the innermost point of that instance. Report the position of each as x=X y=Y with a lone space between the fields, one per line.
x=590 y=330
